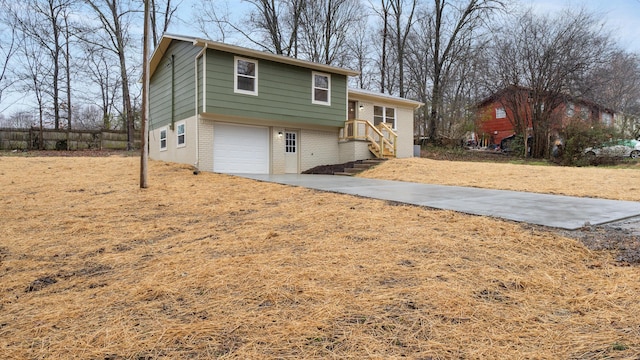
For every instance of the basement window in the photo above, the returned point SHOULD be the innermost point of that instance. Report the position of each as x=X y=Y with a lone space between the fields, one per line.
x=180 y=133
x=163 y=139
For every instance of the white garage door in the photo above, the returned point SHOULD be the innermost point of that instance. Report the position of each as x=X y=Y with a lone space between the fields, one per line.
x=240 y=149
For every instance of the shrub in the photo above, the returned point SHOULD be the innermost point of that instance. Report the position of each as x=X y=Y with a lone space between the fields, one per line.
x=61 y=145
x=578 y=136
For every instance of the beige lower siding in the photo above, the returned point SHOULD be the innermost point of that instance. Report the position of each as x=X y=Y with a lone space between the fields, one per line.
x=205 y=145
x=404 y=145
x=354 y=150
x=404 y=124
x=183 y=155
x=315 y=147
x=318 y=148
x=277 y=150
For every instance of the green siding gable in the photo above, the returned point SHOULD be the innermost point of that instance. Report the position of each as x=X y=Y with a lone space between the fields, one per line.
x=284 y=93
x=172 y=86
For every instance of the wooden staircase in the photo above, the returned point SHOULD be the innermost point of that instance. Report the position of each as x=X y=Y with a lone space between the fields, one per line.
x=382 y=139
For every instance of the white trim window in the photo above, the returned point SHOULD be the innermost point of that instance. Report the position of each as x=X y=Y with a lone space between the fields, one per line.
x=321 y=88
x=163 y=139
x=382 y=114
x=500 y=113
x=245 y=79
x=181 y=136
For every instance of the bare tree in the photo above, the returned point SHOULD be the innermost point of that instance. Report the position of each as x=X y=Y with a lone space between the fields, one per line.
x=384 y=13
x=87 y=117
x=271 y=25
x=616 y=84
x=451 y=22
x=403 y=24
x=116 y=17
x=213 y=19
x=359 y=47
x=160 y=15
x=34 y=71
x=42 y=23
x=9 y=45
x=20 y=120
x=548 y=57
x=279 y=23
x=325 y=29
x=102 y=71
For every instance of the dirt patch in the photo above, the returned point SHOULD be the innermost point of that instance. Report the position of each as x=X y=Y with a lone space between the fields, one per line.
x=621 y=237
x=331 y=169
x=41 y=283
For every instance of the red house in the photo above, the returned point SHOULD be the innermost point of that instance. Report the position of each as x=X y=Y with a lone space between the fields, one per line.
x=496 y=115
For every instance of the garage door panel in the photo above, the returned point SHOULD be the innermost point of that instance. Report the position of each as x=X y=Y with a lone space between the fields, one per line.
x=240 y=149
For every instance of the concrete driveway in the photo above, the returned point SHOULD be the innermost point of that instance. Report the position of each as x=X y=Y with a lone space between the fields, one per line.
x=565 y=212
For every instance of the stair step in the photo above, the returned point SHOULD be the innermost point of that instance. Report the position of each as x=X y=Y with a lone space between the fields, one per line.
x=363 y=166
x=374 y=161
x=353 y=170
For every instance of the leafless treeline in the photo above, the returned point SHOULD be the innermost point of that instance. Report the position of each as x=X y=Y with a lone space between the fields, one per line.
x=84 y=55
x=74 y=58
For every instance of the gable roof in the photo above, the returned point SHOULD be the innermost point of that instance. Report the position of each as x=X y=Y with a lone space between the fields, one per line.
x=209 y=44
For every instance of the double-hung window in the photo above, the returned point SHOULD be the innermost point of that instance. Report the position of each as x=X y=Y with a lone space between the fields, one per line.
x=163 y=139
x=245 y=76
x=180 y=133
x=382 y=114
x=500 y=113
x=321 y=88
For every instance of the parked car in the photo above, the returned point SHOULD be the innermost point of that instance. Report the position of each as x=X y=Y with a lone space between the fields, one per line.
x=616 y=148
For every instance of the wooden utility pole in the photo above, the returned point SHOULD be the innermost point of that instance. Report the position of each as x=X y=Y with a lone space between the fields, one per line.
x=144 y=156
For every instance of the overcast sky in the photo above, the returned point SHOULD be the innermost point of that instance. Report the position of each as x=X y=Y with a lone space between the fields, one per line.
x=622 y=17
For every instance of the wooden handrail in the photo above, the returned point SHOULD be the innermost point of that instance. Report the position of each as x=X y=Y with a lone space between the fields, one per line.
x=391 y=134
x=352 y=131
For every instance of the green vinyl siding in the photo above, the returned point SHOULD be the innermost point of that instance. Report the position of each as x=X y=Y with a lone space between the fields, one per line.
x=172 y=86
x=284 y=93
x=200 y=71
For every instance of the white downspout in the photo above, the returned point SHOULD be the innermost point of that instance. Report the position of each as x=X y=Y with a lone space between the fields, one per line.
x=200 y=54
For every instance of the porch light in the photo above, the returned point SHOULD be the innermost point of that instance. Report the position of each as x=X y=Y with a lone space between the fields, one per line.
x=280 y=134
x=361 y=107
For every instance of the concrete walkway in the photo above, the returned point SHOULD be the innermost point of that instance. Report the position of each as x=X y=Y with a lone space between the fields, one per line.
x=558 y=211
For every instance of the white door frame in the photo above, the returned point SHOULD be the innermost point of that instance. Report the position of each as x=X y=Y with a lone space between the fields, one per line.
x=291 y=151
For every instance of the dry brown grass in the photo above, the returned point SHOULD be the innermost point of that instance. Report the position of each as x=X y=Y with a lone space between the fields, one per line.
x=213 y=266
x=606 y=183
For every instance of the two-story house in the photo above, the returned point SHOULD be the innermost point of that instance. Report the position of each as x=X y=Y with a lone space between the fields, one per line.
x=495 y=114
x=230 y=109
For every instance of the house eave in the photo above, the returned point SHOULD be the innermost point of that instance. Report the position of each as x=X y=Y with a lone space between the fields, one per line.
x=359 y=94
x=272 y=57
